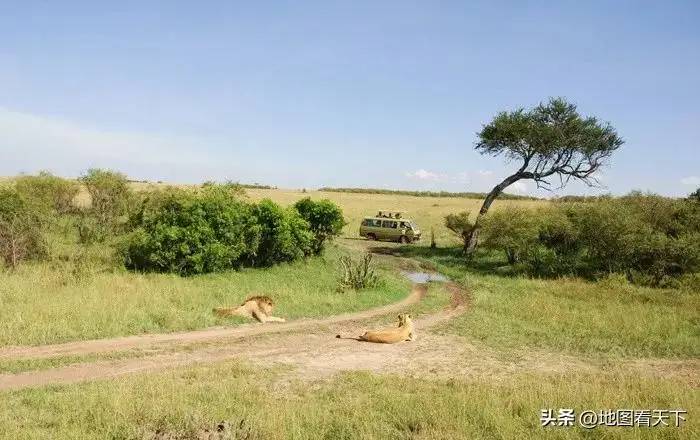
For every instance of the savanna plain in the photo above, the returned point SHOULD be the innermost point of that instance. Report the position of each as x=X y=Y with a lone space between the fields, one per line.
x=494 y=347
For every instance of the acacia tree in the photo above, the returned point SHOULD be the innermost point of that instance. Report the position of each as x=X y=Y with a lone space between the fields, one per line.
x=549 y=141
x=695 y=195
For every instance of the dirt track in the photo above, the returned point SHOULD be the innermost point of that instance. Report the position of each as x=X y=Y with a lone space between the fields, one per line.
x=160 y=339
x=275 y=342
x=311 y=347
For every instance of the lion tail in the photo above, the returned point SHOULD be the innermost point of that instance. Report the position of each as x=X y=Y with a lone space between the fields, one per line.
x=358 y=338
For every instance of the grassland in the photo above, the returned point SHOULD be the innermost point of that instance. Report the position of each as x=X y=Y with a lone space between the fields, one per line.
x=581 y=317
x=605 y=318
x=186 y=403
x=606 y=323
x=43 y=305
x=48 y=303
x=428 y=212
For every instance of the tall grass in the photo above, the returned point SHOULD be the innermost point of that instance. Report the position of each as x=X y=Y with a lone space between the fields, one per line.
x=581 y=317
x=609 y=317
x=42 y=305
x=186 y=403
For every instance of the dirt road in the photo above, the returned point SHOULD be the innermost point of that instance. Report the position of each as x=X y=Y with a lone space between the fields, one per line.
x=311 y=348
x=311 y=339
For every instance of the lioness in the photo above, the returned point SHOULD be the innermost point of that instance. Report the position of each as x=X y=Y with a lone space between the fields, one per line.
x=404 y=332
x=258 y=307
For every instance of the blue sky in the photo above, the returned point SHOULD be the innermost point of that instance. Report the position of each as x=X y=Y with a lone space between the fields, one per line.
x=363 y=93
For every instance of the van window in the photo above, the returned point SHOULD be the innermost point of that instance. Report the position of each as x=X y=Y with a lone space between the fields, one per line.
x=405 y=225
x=389 y=224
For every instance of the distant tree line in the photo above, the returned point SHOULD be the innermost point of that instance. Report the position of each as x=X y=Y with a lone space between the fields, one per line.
x=242 y=185
x=464 y=195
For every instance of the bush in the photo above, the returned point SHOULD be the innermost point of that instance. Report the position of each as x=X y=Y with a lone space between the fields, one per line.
x=284 y=234
x=669 y=216
x=514 y=231
x=561 y=241
x=20 y=229
x=607 y=230
x=659 y=260
x=325 y=219
x=460 y=225
x=187 y=233
x=233 y=189
x=89 y=231
x=47 y=193
x=357 y=275
x=212 y=230
x=652 y=240
x=110 y=199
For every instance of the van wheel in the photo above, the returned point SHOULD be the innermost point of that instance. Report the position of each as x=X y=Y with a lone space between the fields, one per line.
x=371 y=237
x=404 y=240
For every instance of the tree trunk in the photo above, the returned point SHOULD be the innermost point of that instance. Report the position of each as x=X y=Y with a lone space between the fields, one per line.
x=495 y=192
x=13 y=247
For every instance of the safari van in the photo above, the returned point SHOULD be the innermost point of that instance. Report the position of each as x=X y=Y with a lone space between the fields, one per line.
x=390 y=225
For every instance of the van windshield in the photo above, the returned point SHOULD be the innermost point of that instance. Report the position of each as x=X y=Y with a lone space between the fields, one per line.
x=410 y=225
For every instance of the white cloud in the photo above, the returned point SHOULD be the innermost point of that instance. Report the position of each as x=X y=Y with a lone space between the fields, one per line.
x=691 y=180
x=485 y=173
x=30 y=142
x=518 y=187
x=422 y=174
x=462 y=177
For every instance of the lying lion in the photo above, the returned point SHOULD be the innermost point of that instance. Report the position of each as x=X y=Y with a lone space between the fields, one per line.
x=258 y=307
x=404 y=332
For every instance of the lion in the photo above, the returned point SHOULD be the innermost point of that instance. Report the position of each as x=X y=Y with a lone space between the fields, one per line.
x=403 y=332
x=258 y=307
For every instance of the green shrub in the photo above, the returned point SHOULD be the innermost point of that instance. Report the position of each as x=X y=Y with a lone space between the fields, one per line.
x=653 y=240
x=460 y=225
x=669 y=216
x=658 y=260
x=284 y=234
x=357 y=275
x=514 y=231
x=110 y=200
x=561 y=239
x=47 y=193
x=233 y=189
x=186 y=233
x=212 y=230
x=325 y=219
x=20 y=229
x=694 y=196
x=89 y=230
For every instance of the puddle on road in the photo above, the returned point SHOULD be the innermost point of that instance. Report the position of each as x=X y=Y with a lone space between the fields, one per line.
x=424 y=277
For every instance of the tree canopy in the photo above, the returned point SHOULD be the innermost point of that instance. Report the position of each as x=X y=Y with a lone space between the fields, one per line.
x=551 y=139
